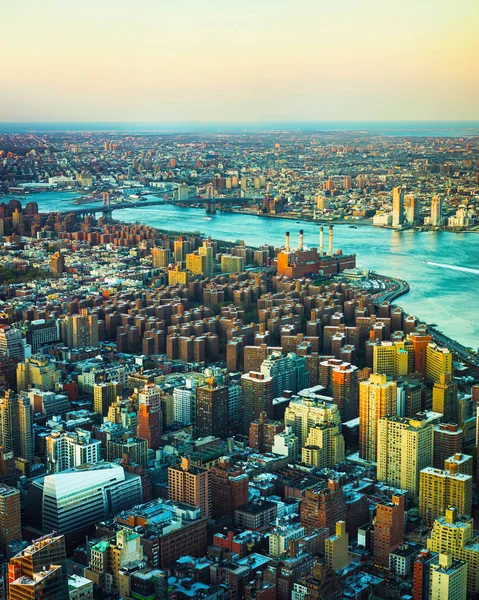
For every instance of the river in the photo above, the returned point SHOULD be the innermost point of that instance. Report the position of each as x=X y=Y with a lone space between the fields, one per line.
x=447 y=297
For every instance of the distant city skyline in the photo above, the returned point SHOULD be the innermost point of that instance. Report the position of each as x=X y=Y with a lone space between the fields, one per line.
x=253 y=62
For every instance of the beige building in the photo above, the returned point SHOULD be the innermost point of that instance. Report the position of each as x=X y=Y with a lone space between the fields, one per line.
x=438 y=361
x=448 y=579
x=404 y=447
x=377 y=398
x=302 y=414
x=336 y=548
x=455 y=535
x=324 y=445
x=190 y=484
x=438 y=490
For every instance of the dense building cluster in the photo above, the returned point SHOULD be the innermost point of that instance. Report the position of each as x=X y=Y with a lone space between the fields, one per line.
x=182 y=417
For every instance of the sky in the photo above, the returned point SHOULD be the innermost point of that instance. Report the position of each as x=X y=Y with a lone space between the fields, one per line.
x=238 y=60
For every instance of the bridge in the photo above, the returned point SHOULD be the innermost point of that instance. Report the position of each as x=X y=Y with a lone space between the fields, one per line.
x=106 y=208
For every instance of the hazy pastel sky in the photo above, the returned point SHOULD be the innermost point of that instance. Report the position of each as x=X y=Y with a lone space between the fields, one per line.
x=232 y=60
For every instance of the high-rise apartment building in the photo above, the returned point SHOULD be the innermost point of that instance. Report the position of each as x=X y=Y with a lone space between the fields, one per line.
x=322 y=508
x=388 y=528
x=455 y=535
x=150 y=415
x=404 y=447
x=229 y=488
x=184 y=403
x=257 y=394
x=104 y=394
x=190 y=484
x=377 y=398
x=344 y=385
x=16 y=426
x=57 y=263
x=160 y=257
x=420 y=341
x=288 y=372
x=211 y=409
x=11 y=343
x=324 y=445
x=444 y=398
x=448 y=579
x=439 y=489
x=448 y=440
x=79 y=331
x=303 y=414
x=65 y=450
x=10 y=517
x=438 y=362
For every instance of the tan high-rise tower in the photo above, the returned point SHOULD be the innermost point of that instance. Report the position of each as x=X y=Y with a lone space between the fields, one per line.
x=377 y=398
x=190 y=484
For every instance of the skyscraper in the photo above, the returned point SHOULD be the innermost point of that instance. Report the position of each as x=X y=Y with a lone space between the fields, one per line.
x=377 y=398
x=304 y=414
x=388 y=528
x=398 y=206
x=104 y=394
x=11 y=343
x=436 y=211
x=448 y=579
x=405 y=446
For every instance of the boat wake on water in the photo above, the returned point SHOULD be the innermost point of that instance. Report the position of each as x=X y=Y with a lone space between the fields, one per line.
x=453 y=267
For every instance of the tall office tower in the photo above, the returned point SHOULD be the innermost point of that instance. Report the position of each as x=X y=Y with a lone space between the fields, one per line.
x=150 y=415
x=40 y=570
x=211 y=409
x=411 y=209
x=229 y=488
x=184 y=402
x=71 y=449
x=454 y=534
x=302 y=414
x=180 y=249
x=448 y=578
x=190 y=484
x=104 y=394
x=377 y=398
x=73 y=500
x=262 y=432
x=206 y=250
x=16 y=426
x=336 y=548
x=322 y=508
x=11 y=343
x=324 y=446
x=438 y=362
x=420 y=343
x=37 y=372
x=441 y=489
x=398 y=206
x=344 y=383
x=405 y=446
x=257 y=393
x=288 y=372
x=57 y=263
x=444 y=398
x=448 y=439
x=10 y=517
x=160 y=257
x=436 y=211
x=388 y=528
